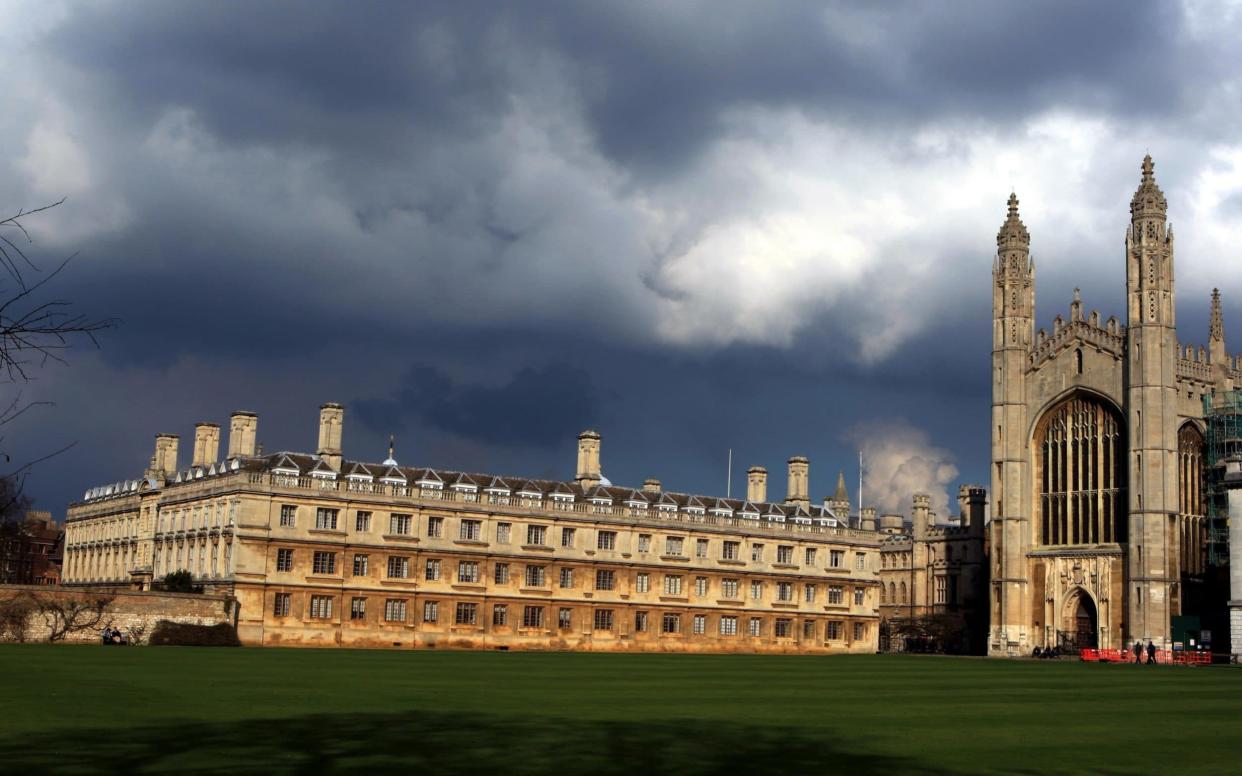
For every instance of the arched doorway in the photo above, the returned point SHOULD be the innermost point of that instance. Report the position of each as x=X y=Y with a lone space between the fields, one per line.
x=1080 y=623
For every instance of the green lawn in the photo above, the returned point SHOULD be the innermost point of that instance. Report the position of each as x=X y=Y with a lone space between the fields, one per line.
x=82 y=708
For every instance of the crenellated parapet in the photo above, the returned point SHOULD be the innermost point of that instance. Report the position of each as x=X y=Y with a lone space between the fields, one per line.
x=1109 y=337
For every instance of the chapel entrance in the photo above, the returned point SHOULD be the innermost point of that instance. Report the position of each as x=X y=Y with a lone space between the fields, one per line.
x=1081 y=626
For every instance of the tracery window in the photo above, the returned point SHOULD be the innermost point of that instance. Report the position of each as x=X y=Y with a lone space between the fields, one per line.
x=1080 y=471
x=1190 y=506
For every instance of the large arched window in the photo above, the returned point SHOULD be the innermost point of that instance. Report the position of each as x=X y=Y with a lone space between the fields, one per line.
x=1080 y=465
x=1190 y=506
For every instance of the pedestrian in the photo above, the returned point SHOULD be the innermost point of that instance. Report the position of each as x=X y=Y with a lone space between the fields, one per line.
x=1138 y=652
x=1151 y=653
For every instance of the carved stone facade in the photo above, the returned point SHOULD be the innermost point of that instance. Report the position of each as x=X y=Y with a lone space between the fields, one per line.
x=1098 y=524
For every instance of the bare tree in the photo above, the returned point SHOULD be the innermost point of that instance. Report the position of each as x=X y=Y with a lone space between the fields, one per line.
x=34 y=329
x=64 y=616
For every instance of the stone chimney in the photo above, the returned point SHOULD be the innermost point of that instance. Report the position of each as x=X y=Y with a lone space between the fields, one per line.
x=867 y=521
x=588 y=459
x=243 y=429
x=892 y=524
x=756 y=484
x=973 y=501
x=206 y=443
x=651 y=485
x=921 y=515
x=331 y=423
x=797 y=494
x=164 y=461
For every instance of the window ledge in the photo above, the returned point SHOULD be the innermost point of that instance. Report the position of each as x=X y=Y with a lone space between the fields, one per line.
x=399 y=583
x=470 y=542
x=536 y=590
x=784 y=605
x=676 y=598
x=792 y=566
x=326 y=532
x=675 y=558
x=324 y=578
x=726 y=562
x=469 y=586
x=537 y=547
x=400 y=538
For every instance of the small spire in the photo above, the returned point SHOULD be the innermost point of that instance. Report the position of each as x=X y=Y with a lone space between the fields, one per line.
x=1013 y=234
x=392 y=447
x=842 y=494
x=1148 y=200
x=1013 y=204
x=1148 y=169
x=1217 y=330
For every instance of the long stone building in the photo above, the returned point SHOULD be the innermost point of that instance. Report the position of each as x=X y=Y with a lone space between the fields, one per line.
x=320 y=550
x=1098 y=533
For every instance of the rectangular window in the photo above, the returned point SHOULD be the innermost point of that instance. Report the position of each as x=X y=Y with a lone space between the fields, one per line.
x=860 y=631
x=535 y=576
x=435 y=527
x=501 y=575
x=324 y=563
x=784 y=628
x=471 y=530
x=808 y=629
x=700 y=548
x=567 y=537
x=642 y=581
x=466 y=614
x=728 y=588
x=834 y=630
x=431 y=611
x=288 y=515
x=357 y=608
x=284 y=560
x=394 y=610
x=672 y=584
x=362 y=565
x=942 y=587
x=398 y=567
x=605 y=580
x=320 y=607
x=644 y=542
x=325 y=519
x=504 y=533
x=699 y=626
x=500 y=614
x=363 y=522
x=860 y=561
x=860 y=595
x=564 y=618
x=728 y=626
x=640 y=622
x=532 y=617
x=836 y=595
x=281 y=605
x=399 y=525
x=567 y=578
x=836 y=559
x=784 y=554
x=700 y=586
x=784 y=591
x=756 y=626
x=810 y=556
x=606 y=540
x=670 y=623
x=810 y=594
x=468 y=571
x=432 y=570
x=756 y=591
x=603 y=619
x=729 y=550
x=674 y=545
x=756 y=552
x=536 y=535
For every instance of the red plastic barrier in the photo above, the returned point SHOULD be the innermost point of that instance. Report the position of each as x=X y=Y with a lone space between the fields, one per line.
x=1089 y=655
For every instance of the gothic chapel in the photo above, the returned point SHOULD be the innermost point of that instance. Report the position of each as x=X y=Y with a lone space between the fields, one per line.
x=1098 y=530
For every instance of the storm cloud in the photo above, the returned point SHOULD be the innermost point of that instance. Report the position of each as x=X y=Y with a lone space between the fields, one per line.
x=698 y=226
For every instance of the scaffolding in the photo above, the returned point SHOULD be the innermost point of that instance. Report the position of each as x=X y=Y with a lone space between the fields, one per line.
x=1223 y=440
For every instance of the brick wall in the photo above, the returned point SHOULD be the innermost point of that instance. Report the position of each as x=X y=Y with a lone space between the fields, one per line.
x=127 y=610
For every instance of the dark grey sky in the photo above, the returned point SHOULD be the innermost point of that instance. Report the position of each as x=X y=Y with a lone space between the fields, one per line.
x=693 y=226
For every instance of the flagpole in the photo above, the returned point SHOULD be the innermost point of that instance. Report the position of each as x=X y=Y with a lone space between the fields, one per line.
x=729 y=476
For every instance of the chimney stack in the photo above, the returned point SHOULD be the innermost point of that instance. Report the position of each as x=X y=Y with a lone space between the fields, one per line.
x=756 y=484
x=588 y=459
x=331 y=422
x=797 y=494
x=651 y=485
x=164 y=462
x=921 y=515
x=892 y=524
x=243 y=429
x=973 y=500
x=206 y=443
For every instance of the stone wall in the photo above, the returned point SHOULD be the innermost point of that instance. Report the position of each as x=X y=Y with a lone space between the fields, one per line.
x=130 y=611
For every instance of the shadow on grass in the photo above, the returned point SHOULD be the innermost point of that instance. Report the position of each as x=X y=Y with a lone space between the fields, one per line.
x=446 y=743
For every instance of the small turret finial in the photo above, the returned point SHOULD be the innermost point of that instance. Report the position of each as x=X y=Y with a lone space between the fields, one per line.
x=1013 y=205
x=1148 y=168
x=1217 y=333
x=392 y=443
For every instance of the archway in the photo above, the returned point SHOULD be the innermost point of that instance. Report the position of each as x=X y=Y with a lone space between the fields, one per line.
x=1080 y=622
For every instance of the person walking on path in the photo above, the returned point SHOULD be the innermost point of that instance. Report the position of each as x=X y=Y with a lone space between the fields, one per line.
x=1138 y=652
x=1151 y=653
